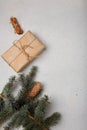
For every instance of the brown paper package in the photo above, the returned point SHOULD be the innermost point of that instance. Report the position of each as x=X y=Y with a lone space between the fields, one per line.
x=23 y=51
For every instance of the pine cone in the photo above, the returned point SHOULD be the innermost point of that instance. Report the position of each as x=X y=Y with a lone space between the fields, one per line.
x=35 y=90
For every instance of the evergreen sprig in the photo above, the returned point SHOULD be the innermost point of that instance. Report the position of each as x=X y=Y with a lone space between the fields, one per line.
x=7 y=89
x=18 y=117
x=40 y=109
x=27 y=82
x=52 y=120
x=30 y=113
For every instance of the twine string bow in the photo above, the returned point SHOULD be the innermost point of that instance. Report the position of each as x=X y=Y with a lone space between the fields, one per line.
x=22 y=48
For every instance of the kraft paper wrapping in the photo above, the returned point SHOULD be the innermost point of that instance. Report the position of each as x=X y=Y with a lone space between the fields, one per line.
x=16 y=58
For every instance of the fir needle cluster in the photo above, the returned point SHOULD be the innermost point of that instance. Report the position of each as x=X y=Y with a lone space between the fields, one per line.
x=22 y=109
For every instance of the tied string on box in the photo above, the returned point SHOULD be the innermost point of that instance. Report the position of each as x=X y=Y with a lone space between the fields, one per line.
x=23 y=50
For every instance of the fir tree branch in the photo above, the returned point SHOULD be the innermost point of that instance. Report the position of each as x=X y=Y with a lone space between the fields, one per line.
x=41 y=126
x=22 y=96
x=40 y=109
x=22 y=79
x=6 y=128
x=29 y=125
x=7 y=89
x=52 y=120
x=5 y=115
x=2 y=104
x=27 y=83
x=32 y=73
x=18 y=117
x=22 y=109
x=26 y=79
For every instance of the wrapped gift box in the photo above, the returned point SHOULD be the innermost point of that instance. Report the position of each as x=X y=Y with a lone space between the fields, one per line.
x=23 y=51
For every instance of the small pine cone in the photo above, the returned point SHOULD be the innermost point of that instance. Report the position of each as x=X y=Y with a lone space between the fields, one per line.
x=35 y=90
